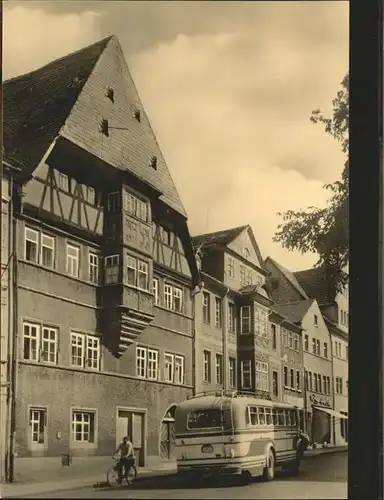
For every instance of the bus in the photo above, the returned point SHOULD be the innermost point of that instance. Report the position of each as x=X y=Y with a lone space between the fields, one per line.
x=237 y=434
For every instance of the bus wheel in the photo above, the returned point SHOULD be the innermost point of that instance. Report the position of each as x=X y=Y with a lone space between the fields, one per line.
x=269 y=471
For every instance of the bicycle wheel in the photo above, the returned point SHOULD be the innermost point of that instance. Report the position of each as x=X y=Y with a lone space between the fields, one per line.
x=112 y=477
x=131 y=475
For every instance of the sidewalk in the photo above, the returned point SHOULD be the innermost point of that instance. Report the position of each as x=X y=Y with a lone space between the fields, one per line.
x=162 y=469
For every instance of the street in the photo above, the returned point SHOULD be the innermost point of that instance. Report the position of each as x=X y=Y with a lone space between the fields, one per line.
x=324 y=476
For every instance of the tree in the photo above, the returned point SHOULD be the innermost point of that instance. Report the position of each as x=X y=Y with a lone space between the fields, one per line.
x=325 y=231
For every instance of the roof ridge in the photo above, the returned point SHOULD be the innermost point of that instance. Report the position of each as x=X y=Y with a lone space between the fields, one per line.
x=221 y=231
x=61 y=58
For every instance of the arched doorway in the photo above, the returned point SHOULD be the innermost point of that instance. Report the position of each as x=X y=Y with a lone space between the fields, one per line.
x=167 y=434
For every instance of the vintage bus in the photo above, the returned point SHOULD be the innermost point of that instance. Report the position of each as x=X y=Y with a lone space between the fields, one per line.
x=237 y=434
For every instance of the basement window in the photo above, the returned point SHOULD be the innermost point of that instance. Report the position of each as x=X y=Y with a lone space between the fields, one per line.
x=111 y=94
x=154 y=162
x=104 y=127
x=137 y=115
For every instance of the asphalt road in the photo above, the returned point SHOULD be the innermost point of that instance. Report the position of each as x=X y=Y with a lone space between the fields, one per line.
x=324 y=476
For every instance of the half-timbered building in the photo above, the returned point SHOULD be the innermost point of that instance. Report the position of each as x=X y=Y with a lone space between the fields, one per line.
x=105 y=263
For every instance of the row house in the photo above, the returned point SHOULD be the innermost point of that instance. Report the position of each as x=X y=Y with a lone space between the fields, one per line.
x=237 y=333
x=105 y=265
x=321 y=418
x=334 y=307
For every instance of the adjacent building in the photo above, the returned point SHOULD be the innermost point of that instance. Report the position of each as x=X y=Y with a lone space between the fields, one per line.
x=334 y=307
x=105 y=265
x=319 y=404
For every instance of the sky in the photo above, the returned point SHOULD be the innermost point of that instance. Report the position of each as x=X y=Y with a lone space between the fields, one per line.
x=229 y=88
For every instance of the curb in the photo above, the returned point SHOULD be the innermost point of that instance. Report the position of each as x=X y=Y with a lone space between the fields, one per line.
x=329 y=451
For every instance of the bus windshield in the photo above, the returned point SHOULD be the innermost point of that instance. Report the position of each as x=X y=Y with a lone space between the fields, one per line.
x=202 y=419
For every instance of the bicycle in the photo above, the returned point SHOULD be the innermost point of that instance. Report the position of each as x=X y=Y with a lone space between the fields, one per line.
x=128 y=476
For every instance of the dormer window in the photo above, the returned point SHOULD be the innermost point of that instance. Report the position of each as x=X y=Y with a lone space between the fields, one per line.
x=246 y=253
x=154 y=162
x=104 y=127
x=111 y=94
x=137 y=115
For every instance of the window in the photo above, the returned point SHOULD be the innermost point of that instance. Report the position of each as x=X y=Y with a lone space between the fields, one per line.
x=318 y=347
x=142 y=275
x=168 y=296
x=315 y=320
x=112 y=268
x=319 y=384
x=40 y=343
x=310 y=381
x=93 y=268
x=245 y=319
x=206 y=307
x=314 y=348
x=38 y=423
x=261 y=322
x=306 y=381
x=246 y=374
x=155 y=290
x=325 y=384
x=31 y=338
x=231 y=267
x=153 y=364
x=274 y=338
x=165 y=235
x=292 y=384
x=147 y=363
x=137 y=273
x=298 y=381
x=306 y=343
x=31 y=245
x=113 y=202
x=275 y=384
x=249 y=277
x=284 y=337
x=47 y=257
x=83 y=426
x=325 y=350
x=177 y=299
x=207 y=366
x=63 y=182
x=242 y=275
x=286 y=384
x=232 y=373
x=339 y=385
x=296 y=342
x=231 y=317
x=315 y=387
x=329 y=385
x=205 y=419
x=85 y=351
x=168 y=367
x=90 y=195
x=141 y=362
x=262 y=382
x=218 y=307
x=179 y=369
x=49 y=345
x=253 y=415
x=290 y=340
x=135 y=206
x=219 y=369
x=72 y=261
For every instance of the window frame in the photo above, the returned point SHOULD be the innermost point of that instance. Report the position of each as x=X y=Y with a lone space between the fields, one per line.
x=155 y=290
x=206 y=308
x=207 y=366
x=170 y=363
x=92 y=413
x=218 y=312
x=242 y=309
x=110 y=270
x=178 y=298
x=232 y=373
x=49 y=342
x=248 y=371
x=72 y=259
x=142 y=350
x=218 y=369
x=36 y=243
x=92 y=266
x=51 y=248
x=231 y=317
x=231 y=267
x=84 y=349
x=274 y=336
x=168 y=296
x=179 y=361
x=42 y=411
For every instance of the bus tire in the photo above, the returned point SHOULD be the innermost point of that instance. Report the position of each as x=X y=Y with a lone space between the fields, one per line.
x=270 y=469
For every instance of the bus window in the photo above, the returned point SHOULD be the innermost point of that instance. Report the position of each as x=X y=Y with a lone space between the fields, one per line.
x=293 y=418
x=202 y=419
x=287 y=417
x=281 y=418
x=268 y=416
x=253 y=419
x=261 y=416
x=274 y=416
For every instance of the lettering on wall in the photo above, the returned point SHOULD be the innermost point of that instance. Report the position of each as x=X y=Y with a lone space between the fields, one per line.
x=319 y=401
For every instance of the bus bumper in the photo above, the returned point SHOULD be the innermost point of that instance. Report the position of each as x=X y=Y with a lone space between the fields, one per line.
x=209 y=470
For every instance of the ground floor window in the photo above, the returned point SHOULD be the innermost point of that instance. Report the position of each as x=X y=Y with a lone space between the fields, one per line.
x=83 y=426
x=38 y=424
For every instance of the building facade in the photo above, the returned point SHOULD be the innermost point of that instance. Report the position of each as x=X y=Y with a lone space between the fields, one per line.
x=105 y=265
x=319 y=403
x=334 y=307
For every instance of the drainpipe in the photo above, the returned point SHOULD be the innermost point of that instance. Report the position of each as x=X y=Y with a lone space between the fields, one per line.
x=14 y=345
x=225 y=340
x=333 y=391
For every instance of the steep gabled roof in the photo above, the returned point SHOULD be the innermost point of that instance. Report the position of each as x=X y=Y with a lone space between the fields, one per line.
x=224 y=237
x=314 y=282
x=36 y=105
x=293 y=311
x=68 y=98
x=289 y=276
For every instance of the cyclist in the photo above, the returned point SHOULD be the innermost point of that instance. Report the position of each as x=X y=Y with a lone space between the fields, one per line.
x=127 y=457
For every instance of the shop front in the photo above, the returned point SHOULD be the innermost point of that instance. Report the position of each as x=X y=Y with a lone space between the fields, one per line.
x=318 y=418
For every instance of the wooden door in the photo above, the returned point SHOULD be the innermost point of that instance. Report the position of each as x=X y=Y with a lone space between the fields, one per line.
x=167 y=439
x=122 y=425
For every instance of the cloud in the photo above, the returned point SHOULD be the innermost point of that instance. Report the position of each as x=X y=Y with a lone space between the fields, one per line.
x=229 y=88
x=32 y=38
